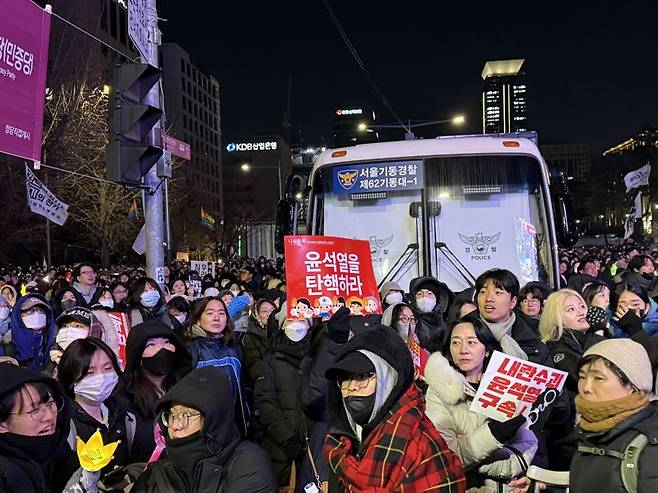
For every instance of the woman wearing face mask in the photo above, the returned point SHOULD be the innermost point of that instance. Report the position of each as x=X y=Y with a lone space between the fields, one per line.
x=5 y=319
x=491 y=452
x=71 y=325
x=566 y=332
x=430 y=302
x=276 y=396
x=256 y=341
x=391 y=293
x=34 y=425
x=155 y=360
x=9 y=292
x=211 y=341
x=373 y=403
x=641 y=273
x=147 y=303
x=597 y=297
x=89 y=373
x=32 y=332
x=65 y=299
x=179 y=311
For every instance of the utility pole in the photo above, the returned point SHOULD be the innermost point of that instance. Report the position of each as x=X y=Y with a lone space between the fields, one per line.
x=153 y=211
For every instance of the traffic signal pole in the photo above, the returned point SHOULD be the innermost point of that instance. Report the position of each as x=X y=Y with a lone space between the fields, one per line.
x=153 y=213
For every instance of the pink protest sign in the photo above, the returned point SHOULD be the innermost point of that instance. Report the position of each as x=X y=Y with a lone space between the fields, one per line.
x=510 y=386
x=24 y=36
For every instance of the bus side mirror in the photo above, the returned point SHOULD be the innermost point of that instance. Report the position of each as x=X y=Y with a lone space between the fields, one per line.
x=563 y=209
x=285 y=222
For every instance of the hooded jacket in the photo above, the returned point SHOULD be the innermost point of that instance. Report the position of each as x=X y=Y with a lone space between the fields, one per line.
x=56 y=301
x=431 y=327
x=234 y=464
x=144 y=442
x=256 y=345
x=31 y=349
x=420 y=459
x=20 y=471
x=489 y=464
x=649 y=321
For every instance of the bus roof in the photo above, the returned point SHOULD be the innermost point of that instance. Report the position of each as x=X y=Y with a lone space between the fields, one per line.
x=452 y=145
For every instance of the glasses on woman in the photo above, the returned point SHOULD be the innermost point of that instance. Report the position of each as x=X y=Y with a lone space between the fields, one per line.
x=356 y=382
x=530 y=301
x=183 y=419
x=39 y=411
x=405 y=320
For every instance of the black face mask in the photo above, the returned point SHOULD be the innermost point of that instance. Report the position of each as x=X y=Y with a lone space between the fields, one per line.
x=161 y=363
x=67 y=304
x=648 y=276
x=360 y=408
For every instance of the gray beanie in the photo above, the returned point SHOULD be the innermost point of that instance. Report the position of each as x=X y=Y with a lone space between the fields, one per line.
x=630 y=357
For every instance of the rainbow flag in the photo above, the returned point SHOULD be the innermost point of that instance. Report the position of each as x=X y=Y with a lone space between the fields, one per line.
x=134 y=214
x=207 y=220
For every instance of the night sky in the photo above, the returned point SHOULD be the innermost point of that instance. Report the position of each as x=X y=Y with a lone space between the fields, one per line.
x=592 y=69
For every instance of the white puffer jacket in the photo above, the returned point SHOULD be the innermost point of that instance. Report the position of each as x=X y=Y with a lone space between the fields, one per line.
x=467 y=434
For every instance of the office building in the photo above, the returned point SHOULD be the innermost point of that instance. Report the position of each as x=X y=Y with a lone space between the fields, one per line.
x=192 y=113
x=572 y=159
x=504 y=97
x=353 y=126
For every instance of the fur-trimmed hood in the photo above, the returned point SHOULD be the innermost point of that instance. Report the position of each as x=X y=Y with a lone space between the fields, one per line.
x=450 y=385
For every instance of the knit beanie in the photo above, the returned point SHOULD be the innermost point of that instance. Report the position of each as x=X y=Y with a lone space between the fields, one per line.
x=389 y=286
x=630 y=357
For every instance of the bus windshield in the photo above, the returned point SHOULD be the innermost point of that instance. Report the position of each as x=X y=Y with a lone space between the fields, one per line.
x=462 y=216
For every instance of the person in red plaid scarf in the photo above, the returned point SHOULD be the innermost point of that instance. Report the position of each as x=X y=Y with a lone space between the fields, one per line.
x=380 y=439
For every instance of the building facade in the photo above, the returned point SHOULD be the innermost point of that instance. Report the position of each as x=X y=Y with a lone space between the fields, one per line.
x=574 y=160
x=192 y=111
x=504 y=97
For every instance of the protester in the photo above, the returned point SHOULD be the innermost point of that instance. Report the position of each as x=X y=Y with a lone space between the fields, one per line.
x=391 y=293
x=491 y=452
x=276 y=398
x=71 y=325
x=5 y=319
x=204 y=449
x=32 y=332
x=65 y=299
x=120 y=293
x=373 y=403
x=9 y=292
x=148 y=303
x=531 y=299
x=155 y=360
x=597 y=297
x=179 y=311
x=85 y=280
x=256 y=341
x=89 y=373
x=641 y=273
x=630 y=297
x=210 y=340
x=430 y=301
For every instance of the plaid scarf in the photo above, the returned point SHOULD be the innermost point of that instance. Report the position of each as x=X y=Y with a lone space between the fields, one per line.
x=404 y=453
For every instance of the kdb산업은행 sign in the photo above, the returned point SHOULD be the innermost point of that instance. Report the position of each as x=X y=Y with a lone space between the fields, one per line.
x=511 y=385
x=325 y=273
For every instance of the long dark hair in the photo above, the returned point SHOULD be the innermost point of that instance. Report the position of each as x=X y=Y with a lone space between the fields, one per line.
x=137 y=288
x=195 y=318
x=75 y=362
x=397 y=311
x=483 y=334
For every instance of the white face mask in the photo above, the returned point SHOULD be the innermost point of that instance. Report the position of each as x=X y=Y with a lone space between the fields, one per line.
x=181 y=318
x=295 y=331
x=403 y=330
x=4 y=312
x=149 y=298
x=109 y=303
x=96 y=388
x=67 y=335
x=393 y=297
x=426 y=305
x=35 y=320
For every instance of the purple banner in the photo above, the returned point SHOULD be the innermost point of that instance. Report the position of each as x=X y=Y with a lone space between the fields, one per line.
x=24 y=37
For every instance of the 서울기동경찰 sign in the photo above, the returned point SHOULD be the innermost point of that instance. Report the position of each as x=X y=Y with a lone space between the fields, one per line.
x=388 y=176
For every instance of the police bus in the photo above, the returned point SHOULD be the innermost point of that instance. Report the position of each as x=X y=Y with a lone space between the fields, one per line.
x=450 y=207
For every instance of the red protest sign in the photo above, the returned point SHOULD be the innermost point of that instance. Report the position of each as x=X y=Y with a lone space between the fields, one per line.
x=324 y=273
x=122 y=326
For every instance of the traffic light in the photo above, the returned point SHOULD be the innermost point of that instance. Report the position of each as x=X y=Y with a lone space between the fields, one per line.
x=131 y=152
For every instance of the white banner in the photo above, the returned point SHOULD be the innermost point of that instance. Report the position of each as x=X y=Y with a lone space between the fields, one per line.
x=202 y=267
x=138 y=28
x=510 y=386
x=42 y=201
x=637 y=178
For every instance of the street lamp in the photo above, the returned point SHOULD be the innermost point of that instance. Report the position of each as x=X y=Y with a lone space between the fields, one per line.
x=245 y=167
x=409 y=135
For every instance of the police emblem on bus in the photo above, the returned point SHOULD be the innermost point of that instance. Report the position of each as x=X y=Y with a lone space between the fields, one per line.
x=347 y=178
x=479 y=242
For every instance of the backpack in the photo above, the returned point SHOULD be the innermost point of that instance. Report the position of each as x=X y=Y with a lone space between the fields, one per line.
x=629 y=458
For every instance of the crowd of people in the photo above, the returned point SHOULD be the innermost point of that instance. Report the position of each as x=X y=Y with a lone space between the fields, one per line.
x=208 y=385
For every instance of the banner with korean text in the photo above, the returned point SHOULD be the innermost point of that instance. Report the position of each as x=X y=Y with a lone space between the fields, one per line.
x=510 y=386
x=122 y=326
x=24 y=37
x=42 y=201
x=324 y=273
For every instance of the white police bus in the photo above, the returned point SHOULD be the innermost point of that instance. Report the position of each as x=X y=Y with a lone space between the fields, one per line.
x=451 y=207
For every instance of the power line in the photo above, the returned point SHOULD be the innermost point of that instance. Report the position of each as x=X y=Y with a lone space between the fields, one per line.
x=130 y=57
x=356 y=56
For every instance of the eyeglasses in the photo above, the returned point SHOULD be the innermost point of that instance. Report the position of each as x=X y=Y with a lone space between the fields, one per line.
x=183 y=419
x=40 y=411
x=530 y=301
x=405 y=319
x=357 y=382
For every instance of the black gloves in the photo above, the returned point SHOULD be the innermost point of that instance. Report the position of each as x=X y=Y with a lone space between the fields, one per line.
x=338 y=326
x=505 y=431
x=630 y=323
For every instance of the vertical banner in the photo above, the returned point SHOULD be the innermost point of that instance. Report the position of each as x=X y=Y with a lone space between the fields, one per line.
x=324 y=273
x=24 y=37
x=510 y=386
